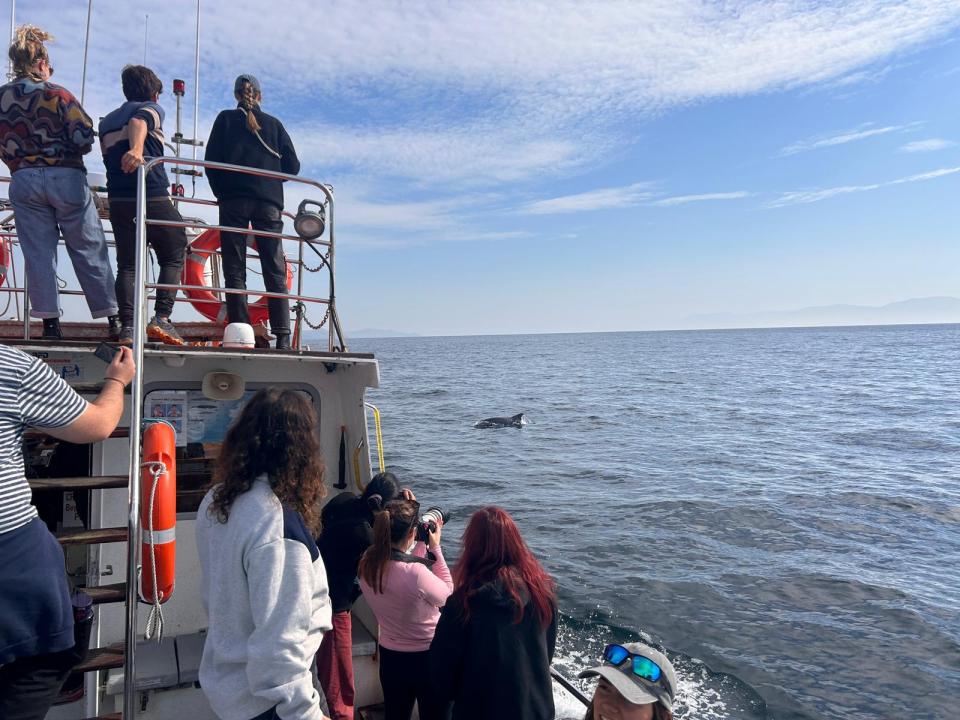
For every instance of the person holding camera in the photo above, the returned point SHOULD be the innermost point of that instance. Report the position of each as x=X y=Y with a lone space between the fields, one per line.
x=495 y=639
x=406 y=588
x=347 y=533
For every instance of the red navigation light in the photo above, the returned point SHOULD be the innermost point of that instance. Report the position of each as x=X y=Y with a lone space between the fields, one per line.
x=179 y=87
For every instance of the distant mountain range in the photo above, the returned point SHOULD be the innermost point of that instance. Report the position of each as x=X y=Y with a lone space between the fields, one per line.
x=362 y=333
x=905 y=312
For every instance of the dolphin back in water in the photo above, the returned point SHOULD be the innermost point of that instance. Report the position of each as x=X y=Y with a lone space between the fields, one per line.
x=501 y=422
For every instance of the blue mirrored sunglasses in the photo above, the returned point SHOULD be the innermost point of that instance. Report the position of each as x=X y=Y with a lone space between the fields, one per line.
x=642 y=667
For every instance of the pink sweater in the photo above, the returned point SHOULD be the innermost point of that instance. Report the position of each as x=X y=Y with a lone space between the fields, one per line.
x=409 y=606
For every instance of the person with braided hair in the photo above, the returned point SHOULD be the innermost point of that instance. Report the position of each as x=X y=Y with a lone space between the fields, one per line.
x=248 y=136
x=44 y=134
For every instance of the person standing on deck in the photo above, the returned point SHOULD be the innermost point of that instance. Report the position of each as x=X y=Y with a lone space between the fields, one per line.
x=248 y=136
x=126 y=134
x=44 y=134
x=406 y=589
x=263 y=582
x=347 y=533
x=496 y=636
x=37 y=645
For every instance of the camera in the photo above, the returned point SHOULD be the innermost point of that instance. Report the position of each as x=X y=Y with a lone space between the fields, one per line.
x=428 y=523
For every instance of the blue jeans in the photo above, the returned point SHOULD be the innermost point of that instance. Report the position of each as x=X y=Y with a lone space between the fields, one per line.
x=46 y=202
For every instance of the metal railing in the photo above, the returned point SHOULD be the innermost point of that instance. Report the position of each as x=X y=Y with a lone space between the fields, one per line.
x=141 y=288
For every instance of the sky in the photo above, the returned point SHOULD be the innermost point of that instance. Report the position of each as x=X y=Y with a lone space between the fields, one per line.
x=503 y=167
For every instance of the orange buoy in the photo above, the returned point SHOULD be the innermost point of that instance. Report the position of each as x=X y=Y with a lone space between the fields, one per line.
x=158 y=513
x=205 y=302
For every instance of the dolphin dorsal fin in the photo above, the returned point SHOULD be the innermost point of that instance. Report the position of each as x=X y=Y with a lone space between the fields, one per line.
x=518 y=416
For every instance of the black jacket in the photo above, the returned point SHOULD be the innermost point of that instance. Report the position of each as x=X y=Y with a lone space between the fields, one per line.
x=491 y=667
x=346 y=534
x=231 y=142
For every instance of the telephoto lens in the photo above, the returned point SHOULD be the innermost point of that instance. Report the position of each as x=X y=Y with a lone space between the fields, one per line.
x=428 y=522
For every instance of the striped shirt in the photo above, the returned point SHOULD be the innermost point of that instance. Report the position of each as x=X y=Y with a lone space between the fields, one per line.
x=31 y=395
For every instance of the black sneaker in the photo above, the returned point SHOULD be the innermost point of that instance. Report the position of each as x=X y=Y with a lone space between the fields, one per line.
x=51 y=329
x=283 y=342
x=160 y=328
x=114 y=327
x=125 y=336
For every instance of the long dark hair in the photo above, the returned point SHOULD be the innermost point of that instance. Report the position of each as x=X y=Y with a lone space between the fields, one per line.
x=382 y=488
x=275 y=434
x=493 y=549
x=392 y=524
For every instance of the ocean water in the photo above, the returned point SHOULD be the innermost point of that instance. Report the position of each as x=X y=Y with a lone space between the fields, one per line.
x=779 y=509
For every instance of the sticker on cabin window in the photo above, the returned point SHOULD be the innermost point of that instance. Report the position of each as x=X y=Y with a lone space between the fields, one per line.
x=172 y=407
x=66 y=366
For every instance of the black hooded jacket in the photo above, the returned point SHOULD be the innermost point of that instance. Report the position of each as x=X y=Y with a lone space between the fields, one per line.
x=347 y=533
x=491 y=667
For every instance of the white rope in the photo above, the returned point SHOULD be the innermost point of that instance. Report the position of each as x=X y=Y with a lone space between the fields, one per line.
x=155 y=620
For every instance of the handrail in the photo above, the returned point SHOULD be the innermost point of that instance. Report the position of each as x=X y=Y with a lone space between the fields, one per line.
x=141 y=287
x=376 y=424
x=569 y=686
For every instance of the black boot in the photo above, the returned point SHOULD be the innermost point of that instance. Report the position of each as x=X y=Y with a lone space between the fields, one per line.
x=283 y=342
x=51 y=329
x=113 y=327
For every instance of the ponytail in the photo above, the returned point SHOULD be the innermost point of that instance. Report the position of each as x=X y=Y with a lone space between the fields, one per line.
x=390 y=525
x=248 y=101
x=373 y=564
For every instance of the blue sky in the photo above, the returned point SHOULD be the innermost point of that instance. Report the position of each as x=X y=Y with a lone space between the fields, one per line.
x=522 y=167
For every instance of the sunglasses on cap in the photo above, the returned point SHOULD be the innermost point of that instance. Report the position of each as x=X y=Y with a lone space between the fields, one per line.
x=641 y=666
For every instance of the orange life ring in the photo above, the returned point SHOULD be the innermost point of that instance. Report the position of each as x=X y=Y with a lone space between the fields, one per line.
x=204 y=301
x=158 y=494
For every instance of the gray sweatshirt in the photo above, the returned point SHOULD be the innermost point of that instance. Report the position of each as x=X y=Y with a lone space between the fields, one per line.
x=265 y=590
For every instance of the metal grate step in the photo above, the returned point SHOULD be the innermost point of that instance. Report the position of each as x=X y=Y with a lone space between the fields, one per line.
x=103 y=658
x=99 y=482
x=92 y=537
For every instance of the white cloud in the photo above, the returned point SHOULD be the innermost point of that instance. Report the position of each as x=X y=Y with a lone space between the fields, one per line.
x=602 y=199
x=684 y=199
x=841 y=138
x=802 y=197
x=494 y=92
x=931 y=145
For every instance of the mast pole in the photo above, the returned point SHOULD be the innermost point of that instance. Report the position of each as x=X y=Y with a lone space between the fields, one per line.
x=86 y=48
x=13 y=32
x=196 y=95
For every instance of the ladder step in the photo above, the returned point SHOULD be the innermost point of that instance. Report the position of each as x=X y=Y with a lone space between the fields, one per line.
x=103 y=658
x=111 y=716
x=100 y=482
x=107 y=593
x=92 y=537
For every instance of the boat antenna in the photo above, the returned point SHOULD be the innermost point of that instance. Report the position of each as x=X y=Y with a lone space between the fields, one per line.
x=86 y=48
x=13 y=33
x=196 y=98
x=146 y=28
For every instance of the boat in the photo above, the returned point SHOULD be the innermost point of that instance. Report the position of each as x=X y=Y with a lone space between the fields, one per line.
x=90 y=496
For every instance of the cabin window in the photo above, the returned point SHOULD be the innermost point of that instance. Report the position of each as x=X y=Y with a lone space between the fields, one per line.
x=200 y=425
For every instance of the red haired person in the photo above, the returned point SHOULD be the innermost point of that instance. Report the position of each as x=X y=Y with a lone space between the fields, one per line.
x=494 y=643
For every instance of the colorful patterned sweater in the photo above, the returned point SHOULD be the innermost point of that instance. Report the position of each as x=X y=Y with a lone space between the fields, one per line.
x=42 y=125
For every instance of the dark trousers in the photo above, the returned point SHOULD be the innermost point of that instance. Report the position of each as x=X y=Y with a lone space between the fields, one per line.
x=28 y=686
x=168 y=243
x=404 y=678
x=259 y=215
